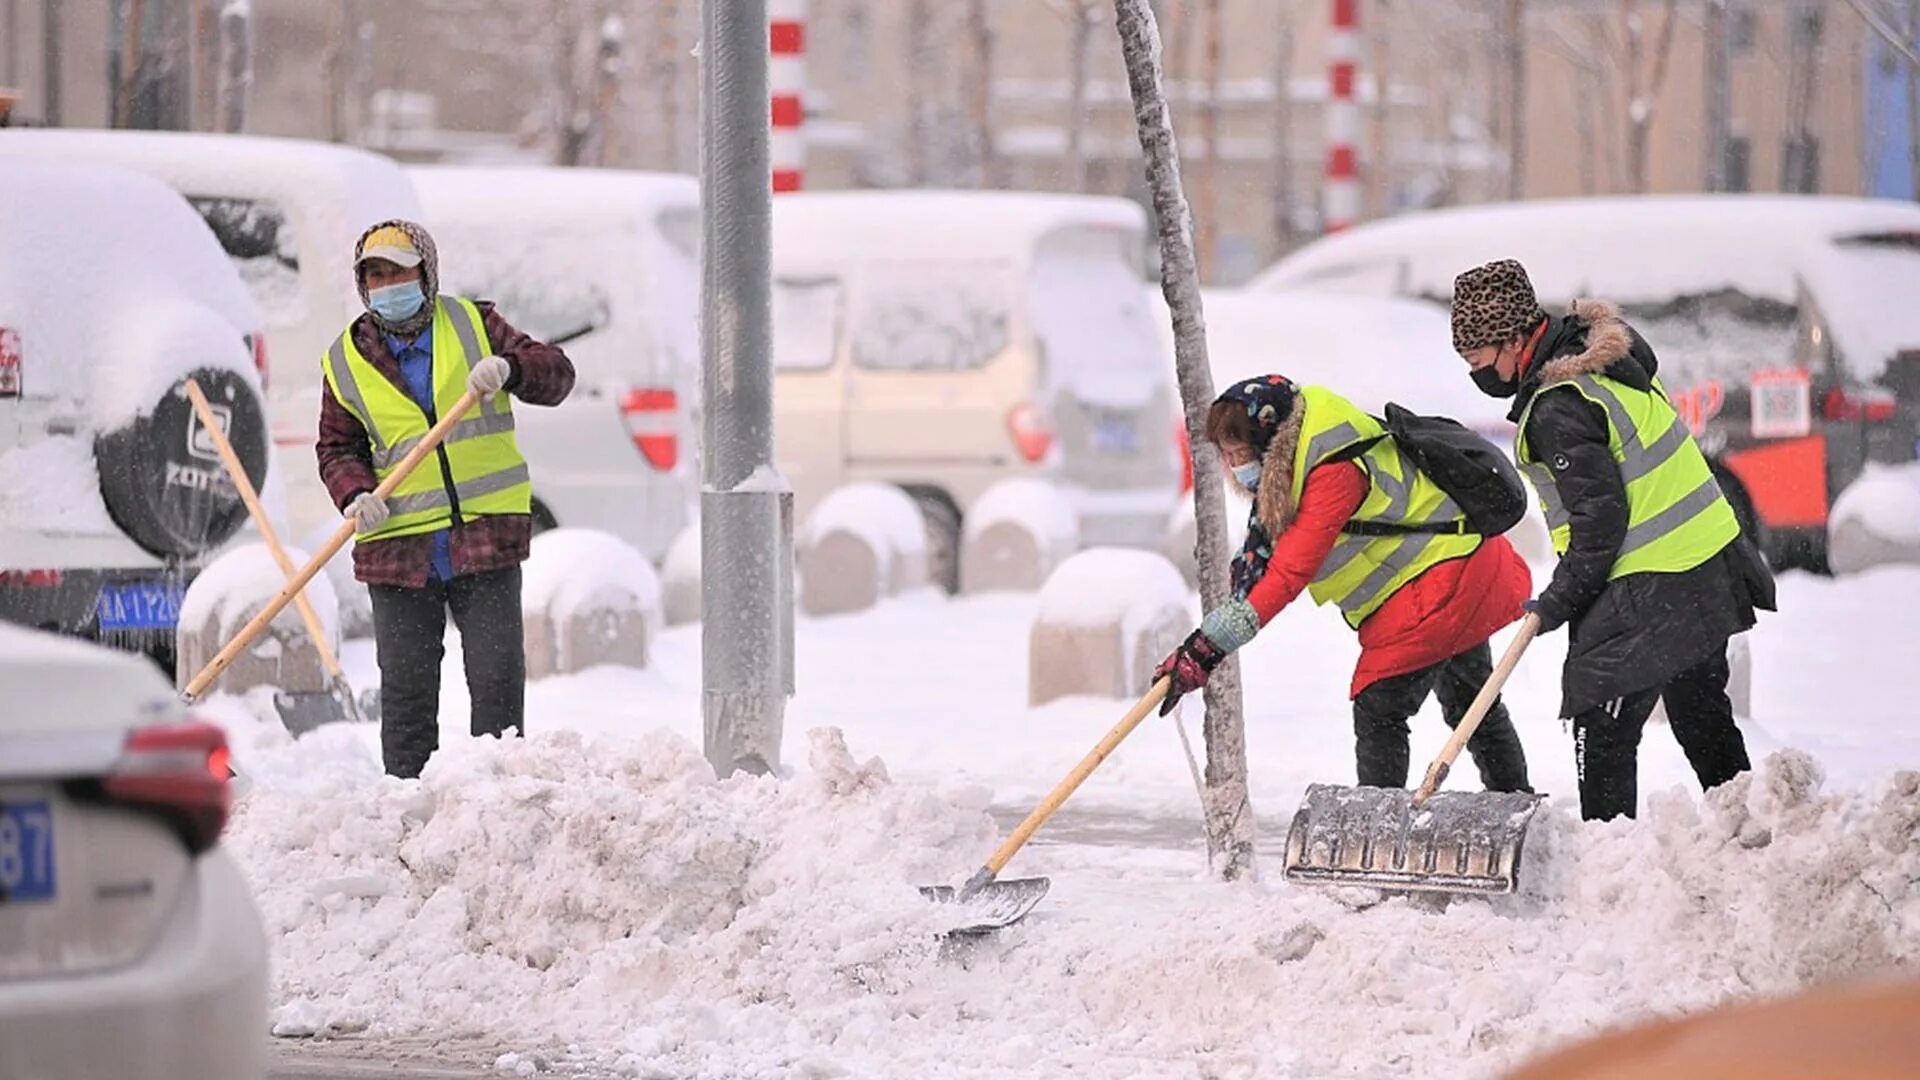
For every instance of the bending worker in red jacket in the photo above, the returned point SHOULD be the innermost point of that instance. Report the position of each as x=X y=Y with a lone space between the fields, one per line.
x=1329 y=489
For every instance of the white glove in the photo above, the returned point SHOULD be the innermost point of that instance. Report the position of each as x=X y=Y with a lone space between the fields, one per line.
x=488 y=376
x=367 y=510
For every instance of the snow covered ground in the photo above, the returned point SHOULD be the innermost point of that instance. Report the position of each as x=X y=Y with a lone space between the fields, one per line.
x=592 y=899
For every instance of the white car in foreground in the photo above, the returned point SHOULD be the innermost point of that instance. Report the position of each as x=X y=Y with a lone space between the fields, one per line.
x=130 y=946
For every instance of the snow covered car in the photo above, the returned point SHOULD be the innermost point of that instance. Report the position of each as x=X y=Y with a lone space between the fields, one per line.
x=942 y=341
x=1783 y=324
x=113 y=292
x=603 y=263
x=130 y=945
x=287 y=213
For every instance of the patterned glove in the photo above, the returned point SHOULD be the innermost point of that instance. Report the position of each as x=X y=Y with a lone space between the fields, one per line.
x=367 y=510
x=1188 y=666
x=488 y=376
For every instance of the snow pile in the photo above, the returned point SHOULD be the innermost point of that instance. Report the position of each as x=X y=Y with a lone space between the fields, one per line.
x=599 y=887
x=53 y=485
x=573 y=572
x=881 y=514
x=237 y=585
x=1104 y=587
x=1885 y=501
x=1034 y=504
x=612 y=895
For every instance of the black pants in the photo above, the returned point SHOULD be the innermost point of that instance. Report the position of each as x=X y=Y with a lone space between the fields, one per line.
x=1381 y=712
x=1606 y=739
x=409 y=634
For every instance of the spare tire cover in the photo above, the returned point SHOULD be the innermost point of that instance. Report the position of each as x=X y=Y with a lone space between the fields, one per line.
x=161 y=477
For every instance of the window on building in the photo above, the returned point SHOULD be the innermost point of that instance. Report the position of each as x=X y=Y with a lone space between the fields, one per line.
x=1739 y=163
x=1800 y=165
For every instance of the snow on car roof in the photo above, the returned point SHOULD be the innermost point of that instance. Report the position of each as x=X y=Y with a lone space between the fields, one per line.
x=366 y=186
x=934 y=224
x=115 y=286
x=1864 y=292
x=1627 y=249
x=543 y=193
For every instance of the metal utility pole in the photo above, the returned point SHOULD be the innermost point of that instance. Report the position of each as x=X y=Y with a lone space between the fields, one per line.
x=1229 y=812
x=746 y=519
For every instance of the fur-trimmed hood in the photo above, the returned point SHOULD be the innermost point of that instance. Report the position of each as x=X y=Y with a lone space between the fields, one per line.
x=1273 y=501
x=1591 y=339
x=1608 y=341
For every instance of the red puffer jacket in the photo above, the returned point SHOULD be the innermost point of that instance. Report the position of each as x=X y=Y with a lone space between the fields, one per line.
x=1445 y=611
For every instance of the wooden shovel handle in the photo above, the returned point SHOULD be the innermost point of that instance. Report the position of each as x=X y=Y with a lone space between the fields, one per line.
x=1437 y=772
x=332 y=547
x=1065 y=788
x=251 y=498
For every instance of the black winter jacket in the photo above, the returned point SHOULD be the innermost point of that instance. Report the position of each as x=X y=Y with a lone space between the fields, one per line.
x=1640 y=631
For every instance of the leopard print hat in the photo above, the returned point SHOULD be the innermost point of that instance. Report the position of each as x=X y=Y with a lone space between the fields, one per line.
x=1493 y=304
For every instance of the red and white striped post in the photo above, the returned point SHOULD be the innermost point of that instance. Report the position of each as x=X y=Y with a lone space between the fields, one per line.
x=786 y=82
x=1341 y=199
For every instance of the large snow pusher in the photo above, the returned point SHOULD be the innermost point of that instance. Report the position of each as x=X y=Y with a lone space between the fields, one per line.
x=1389 y=838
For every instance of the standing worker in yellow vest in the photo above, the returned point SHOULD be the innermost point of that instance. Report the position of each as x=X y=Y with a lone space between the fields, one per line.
x=1654 y=574
x=453 y=534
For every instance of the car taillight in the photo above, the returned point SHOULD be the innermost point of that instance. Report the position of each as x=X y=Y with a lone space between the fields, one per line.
x=257 y=344
x=1875 y=406
x=1032 y=435
x=11 y=362
x=650 y=413
x=180 y=772
x=32 y=579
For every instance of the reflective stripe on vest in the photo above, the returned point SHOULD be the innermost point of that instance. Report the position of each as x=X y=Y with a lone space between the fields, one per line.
x=1361 y=573
x=1676 y=515
x=488 y=474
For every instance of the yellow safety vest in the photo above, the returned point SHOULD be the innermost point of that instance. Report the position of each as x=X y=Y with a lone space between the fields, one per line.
x=488 y=474
x=1676 y=515
x=1363 y=571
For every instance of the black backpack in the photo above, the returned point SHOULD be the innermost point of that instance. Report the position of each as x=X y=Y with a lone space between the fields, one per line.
x=1471 y=470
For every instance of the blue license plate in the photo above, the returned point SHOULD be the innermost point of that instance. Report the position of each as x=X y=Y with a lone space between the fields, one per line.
x=1115 y=436
x=26 y=852
x=140 y=605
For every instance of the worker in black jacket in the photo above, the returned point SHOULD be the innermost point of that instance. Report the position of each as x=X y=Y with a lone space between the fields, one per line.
x=1654 y=575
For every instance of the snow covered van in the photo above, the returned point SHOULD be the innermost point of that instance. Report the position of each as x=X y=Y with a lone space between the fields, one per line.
x=942 y=341
x=1785 y=325
x=602 y=263
x=112 y=292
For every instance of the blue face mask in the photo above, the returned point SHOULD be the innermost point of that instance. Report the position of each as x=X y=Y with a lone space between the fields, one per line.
x=397 y=303
x=1248 y=475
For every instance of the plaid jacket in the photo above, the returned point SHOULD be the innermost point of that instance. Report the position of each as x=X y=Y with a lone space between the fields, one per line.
x=541 y=375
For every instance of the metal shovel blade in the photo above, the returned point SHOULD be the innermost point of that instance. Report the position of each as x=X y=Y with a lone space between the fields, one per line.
x=1459 y=842
x=303 y=710
x=994 y=906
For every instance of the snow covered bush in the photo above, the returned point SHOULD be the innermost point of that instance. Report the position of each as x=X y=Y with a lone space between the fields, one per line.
x=587 y=598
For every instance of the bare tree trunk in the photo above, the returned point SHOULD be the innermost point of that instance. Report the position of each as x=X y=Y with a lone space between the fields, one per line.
x=1283 y=130
x=236 y=66
x=10 y=36
x=1080 y=36
x=1209 y=209
x=980 y=28
x=919 y=65
x=1516 y=85
x=1179 y=63
x=1719 y=120
x=608 y=59
x=1799 y=173
x=1600 y=36
x=1643 y=88
x=1228 y=811
x=663 y=85
x=133 y=21
x=1913 y=101
x=51 y=51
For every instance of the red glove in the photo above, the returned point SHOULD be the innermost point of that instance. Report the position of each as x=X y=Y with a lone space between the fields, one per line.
x=1188 y=666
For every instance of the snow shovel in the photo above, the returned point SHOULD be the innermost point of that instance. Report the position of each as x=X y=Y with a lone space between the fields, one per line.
x=986 y=903
x=300 y=711
x=412 y=460
x=1453 y=841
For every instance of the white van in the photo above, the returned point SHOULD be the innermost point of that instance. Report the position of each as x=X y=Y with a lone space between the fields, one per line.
x=942 y=341
x=112 y=293
x=602 y=263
